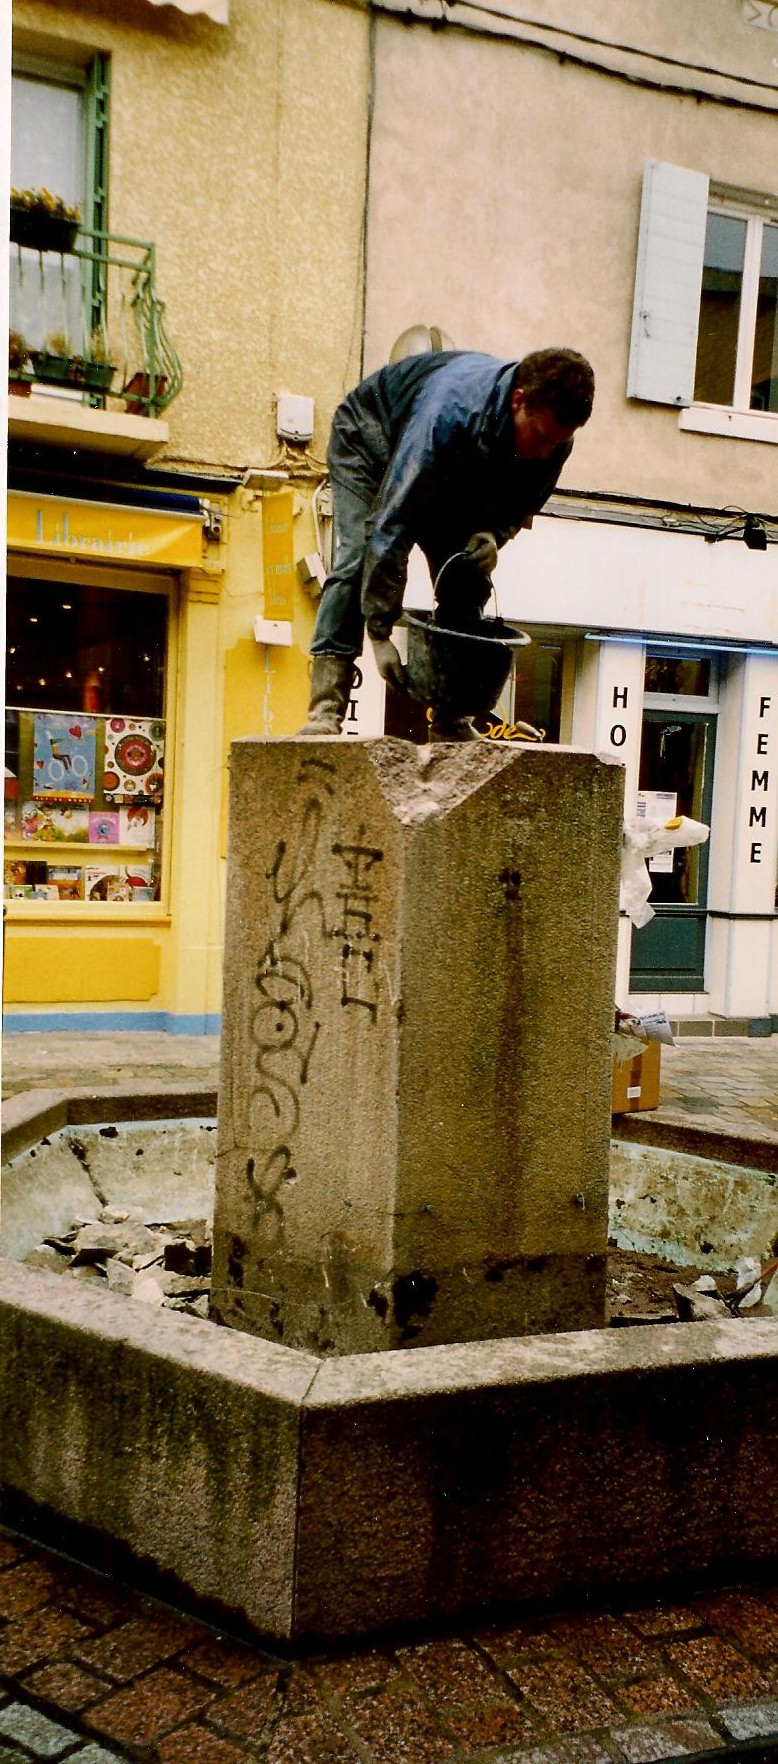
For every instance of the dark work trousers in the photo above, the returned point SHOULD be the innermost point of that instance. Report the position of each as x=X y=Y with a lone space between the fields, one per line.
x=340 y=627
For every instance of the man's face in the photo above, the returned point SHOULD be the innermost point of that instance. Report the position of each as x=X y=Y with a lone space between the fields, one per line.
x=536 y=432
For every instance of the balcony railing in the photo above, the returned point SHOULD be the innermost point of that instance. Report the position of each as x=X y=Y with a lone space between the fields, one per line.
x=93 y=323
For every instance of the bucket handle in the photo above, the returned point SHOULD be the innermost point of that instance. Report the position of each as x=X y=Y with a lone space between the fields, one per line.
x=454 y=558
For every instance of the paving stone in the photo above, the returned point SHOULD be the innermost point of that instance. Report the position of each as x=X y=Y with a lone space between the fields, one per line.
x=93 y=1754
x=394 y=1725
x=36 y=1637
x=66 y=1685
x=506 y=1642
x=745 y=1721
x=606 y=1645
x=223 y=1661
x=662 y=1695
x=576 y=1749
x=138 y=1644
x=717 y=1668
x=141 y=1713
x=246 y=1711
x=358 y=1672
x=564 y=1694
x=313 y=1739
x=493 y=1725
x=749 y=1619
x=301 y=1693
x=646 y=1745
x=42 y=1737
x=194 y=1744
x=467 y=1696
x=98 y=1601
x=28 y=1585
x=663 y=1620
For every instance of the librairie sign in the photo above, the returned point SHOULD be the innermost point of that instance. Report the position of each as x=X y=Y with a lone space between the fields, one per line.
x=103 y=531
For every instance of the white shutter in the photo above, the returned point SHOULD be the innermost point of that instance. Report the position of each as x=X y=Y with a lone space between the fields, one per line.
x=668 y=284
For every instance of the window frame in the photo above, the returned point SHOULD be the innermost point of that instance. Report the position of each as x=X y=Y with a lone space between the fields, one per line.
x=749 y=299
x=675 y=205
x=159 y=582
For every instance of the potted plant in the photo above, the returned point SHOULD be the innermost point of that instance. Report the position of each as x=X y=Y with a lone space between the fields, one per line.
x=18 y=357
x=98 y=369
x=51 y=364
x=58 y=364
x=43 y=221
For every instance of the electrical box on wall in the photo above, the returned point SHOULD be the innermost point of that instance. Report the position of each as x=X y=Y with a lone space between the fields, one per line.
x=294 y=417
x=274 y=631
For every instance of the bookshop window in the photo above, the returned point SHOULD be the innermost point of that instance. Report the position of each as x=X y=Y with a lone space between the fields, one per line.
x=85 y=741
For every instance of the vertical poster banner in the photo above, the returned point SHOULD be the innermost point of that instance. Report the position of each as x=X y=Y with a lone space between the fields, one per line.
x=64 y=756
x=134 y=758
x=278 y=554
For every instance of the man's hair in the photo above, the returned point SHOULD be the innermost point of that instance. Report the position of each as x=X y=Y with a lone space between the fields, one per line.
x=559 y=380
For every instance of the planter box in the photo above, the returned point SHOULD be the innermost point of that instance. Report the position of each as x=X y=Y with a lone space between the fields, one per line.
x=42 y=232
x=63 y=370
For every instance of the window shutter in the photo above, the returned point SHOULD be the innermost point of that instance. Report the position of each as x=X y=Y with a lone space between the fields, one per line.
x=668 y=284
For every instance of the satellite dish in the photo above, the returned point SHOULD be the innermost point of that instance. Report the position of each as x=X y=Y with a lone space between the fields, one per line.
x=421 y=340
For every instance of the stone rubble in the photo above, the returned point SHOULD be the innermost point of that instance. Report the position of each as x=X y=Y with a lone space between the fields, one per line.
x=165 y=1265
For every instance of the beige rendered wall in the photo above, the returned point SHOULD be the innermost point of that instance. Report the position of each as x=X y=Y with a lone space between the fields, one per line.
x=505 y=190
x=240 y=152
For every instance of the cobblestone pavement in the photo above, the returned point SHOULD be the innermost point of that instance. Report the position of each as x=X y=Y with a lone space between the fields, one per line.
x=725 y=1086
x=31 y=1062
x=729 y=1085
x=93 y=1672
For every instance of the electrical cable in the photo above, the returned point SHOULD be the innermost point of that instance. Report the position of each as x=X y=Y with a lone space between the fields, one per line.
x=644 y=81
x=605 y=43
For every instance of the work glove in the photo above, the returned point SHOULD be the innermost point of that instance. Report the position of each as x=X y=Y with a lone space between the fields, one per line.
x=481 y=550
x=388 y=663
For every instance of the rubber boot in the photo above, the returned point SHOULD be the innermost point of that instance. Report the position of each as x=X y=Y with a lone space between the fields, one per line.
x=332 y=677
x=448 y=728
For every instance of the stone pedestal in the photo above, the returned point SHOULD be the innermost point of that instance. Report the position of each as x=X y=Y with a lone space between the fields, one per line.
x=414 y=1105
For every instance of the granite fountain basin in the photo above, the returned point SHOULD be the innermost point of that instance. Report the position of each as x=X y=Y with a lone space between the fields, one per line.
x=329 y=1498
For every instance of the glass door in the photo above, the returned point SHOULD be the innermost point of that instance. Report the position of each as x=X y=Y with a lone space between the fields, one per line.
x=676 y=778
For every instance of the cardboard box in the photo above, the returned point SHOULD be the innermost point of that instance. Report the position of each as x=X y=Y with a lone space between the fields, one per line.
x=636 y=1082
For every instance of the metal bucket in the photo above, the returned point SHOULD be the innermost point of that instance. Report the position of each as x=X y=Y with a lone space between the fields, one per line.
x=459 y=672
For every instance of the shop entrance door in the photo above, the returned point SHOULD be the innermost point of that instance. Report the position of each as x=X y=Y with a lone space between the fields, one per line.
x=676 y=777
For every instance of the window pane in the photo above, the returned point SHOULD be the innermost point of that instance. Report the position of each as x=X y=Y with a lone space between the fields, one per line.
x=764 y=376
x=722 y=282
x=672 y=761
x=85 y=742
x=678 y=673
x=79 y=648
x=538 y=689
x=47 y=152
x=47 y=138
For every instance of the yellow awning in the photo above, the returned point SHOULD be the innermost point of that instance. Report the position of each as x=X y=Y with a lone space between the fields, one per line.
x=218 y=10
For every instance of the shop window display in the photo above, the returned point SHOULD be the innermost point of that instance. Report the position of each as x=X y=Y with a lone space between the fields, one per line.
x=85 y=742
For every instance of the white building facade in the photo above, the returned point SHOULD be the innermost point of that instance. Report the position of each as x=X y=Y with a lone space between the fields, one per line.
x=610 y=183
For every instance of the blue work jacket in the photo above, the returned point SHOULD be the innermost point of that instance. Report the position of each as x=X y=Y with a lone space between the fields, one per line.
x=431 y=440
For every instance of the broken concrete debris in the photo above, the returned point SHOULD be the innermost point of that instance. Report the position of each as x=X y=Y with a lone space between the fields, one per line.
x=167 y=1265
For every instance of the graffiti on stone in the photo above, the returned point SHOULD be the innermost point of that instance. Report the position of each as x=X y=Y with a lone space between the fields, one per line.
x=321 y=892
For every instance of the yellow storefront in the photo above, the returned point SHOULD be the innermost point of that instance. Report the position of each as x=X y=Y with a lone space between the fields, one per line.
x=112 y=773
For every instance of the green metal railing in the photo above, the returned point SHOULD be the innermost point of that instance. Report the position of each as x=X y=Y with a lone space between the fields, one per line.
x=93 y=322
